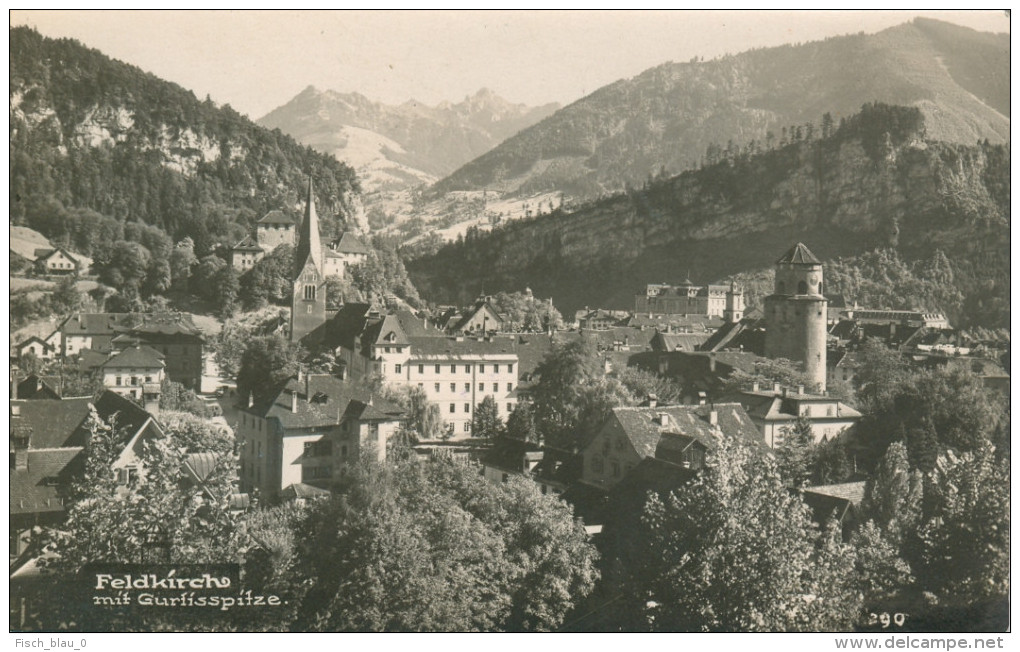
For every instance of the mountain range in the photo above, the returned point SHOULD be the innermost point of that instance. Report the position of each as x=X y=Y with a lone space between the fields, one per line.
x=394 y=147
x=668 y=117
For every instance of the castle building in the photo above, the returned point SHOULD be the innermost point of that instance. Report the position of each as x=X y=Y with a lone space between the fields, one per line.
x=689 y=299
x=245 y=254
x=796 y=314
x=308 y=303
x=734 y=311
x=273 y=230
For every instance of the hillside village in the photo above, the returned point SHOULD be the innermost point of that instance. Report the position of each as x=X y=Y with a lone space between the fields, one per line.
x=277 y=394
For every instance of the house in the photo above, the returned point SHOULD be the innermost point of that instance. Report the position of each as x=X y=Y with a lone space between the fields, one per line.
x=776 y=409
x=680 y=435
x=841 y=502
x=308 y=431
x=346 y=251
x=175 y=336
x=135 y=373
x=58 y=261
x=481 y=319
x=48 y=439
x=245 y=254
x=37 y=346
x=841 y=367
x=455 y=372
x=509 y=456
x=274 y=229
x=678 y=341
x=33 y=388
x=600 y=320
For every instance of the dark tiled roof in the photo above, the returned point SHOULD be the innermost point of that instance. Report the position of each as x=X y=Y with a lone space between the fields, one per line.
x=641 y=425
x=43 y=486
x=386 y=330
x=142 y=357
x=95 y=323
x=508 y=454
x=350 y=244
x=302 y=490
x=494 y=321
x=678 y=341
x=277 y=217
x=335 y=399
x=54 y=423
x=247 y=244
x=799 y=255
x=34 y=387
x=560 y=467
x=89 y=360
x=696 y=323
x=466 y=347
x=128 y=415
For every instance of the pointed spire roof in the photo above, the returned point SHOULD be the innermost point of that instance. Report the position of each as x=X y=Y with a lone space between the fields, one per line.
x=799 y=255
x=308 y=248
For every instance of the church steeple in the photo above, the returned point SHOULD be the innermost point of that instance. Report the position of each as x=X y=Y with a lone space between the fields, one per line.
x=308 y=302
x=308 y=247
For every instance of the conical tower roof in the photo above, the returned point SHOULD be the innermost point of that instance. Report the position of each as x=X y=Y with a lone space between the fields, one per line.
x=799 y=255
x=308 y=248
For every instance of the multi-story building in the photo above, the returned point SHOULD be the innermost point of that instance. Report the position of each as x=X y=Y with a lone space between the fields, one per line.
x=274 y=229
x=679 y=434
x=245 y=254
x=347 y=251
x=308 y=432
x=456 y=372
x=135 y=373
x=775 y=410
x=684 y=299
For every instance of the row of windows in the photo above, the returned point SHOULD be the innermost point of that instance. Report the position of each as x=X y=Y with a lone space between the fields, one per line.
x=467 y=368
x=598 y=466
x=467 y=408
x=134 y=381
x=467 y=387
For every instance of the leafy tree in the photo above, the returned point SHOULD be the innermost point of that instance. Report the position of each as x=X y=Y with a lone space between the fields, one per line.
x=175 y=397
x=204 y=280
x=892 y=496
x=266 y=362
x=879 y=373
x=832 y=462
x=883 y=575
x=227 y=291
x=125 y=268
x=766 y=373
x=424 y=417
x=269 y=279
x=965 y=536
x=521 y=423
x=641 y=383
x=195 y=434
x=795 y=454
x=66 y=297
x=433 y=546
x=182 y=261
x=161 y=518
x=486 y=422
x=735 y=550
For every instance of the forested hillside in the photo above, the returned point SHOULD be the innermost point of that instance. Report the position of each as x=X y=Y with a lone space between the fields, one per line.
x=671 y=116
x=97 y=144
x=874 y=183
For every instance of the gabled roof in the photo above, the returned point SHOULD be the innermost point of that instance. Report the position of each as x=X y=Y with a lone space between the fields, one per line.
x=248 y=243
x=335 y=398
x=43 y=254
x=385 y=331
x=643 y=426
x=495 y=321
x=31 y=340
x=128 y=415
x=430 y=348
x=277 y=217
x=348 y=243
x=302 y=490
x=43 y=486
x=142 y=357
x=198 y=466
x=53 y=422
x=35 y=388
x=799 y=255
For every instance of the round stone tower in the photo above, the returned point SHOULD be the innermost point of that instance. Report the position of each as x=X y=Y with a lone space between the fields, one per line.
x=795 y=314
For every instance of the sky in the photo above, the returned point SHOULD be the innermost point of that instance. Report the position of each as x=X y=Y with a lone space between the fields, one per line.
x=256 y=61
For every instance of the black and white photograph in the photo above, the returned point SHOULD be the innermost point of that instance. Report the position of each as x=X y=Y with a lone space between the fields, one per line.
x=444 y=321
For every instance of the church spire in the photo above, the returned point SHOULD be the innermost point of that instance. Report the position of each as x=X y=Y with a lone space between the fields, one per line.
x=308 y=248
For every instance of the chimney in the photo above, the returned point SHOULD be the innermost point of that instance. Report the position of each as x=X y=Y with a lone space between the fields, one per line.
x=755 y=386
x=293 y=401
x=775 y=387
x=14 y=389
x=711 y=362
x=251 y=399
x=800 y=390
x=653 y=400
x=785 y=392
x=713 y=417
x=663 y=419
x=701 y=398
x=308 y=388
